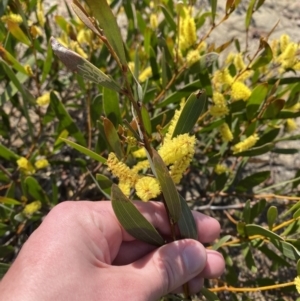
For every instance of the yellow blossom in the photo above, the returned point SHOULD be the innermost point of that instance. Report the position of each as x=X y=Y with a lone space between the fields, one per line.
x=43 y=100
x=76 y=47
x=239 y=62
x=173 y=122
x=28 y=70
x=192 y=57
x=226 y=133
x=240 y=91
x=125 y=188
x=230 y=58
x=218 y=98
x=291 y=125
x=295 y=107
x=288 y=57
x=246 y=74
x=183 y=45
x=84 y=36
x=25 y=165
x=145 y=74
x=140 y=153
x=177 y=148
x=41 y=163
x=179 y=167
x=219 y=169
x=141 y=165
x=131 y=141
x=35 y=31
x=297 y=284
x=40 y=13
x=284 y=41
x=147 y=188
x=131 y=66
x=222 y=77
x=297 y=66
x=153 y=21
x=32 y=208
x=245 y=144
x=121 y=170
x=14 y=18
x=218 y=110
x=189 y=29
x=202 y=46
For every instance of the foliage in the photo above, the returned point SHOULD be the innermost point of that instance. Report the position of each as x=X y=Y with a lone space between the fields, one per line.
x=151 y=114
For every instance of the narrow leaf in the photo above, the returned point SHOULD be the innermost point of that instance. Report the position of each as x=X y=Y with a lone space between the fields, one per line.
x=265 y=57
x=256 y=99
x=7 y=154
x=76 y=63
x=111 y=106
x=108 y=24
x=84 y=150
x=213 y=4
x=253 y=180
x=249 y=13
x=112 y=137
x=220 y=242
x=17 y=32
x=191 y=112
x=34 y=189
x=168 y=187
x=132 y=220
x=271 y=216
x=105 y=184
x=146 y=120
x=8 y=201
x=274 y=109
x=186 y=222
x=287 y=249
x=258 y=230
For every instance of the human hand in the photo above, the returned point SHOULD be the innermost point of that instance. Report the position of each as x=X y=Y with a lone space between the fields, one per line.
x=81 y=252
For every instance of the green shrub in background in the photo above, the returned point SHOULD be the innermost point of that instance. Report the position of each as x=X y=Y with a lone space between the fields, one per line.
x=158 y=110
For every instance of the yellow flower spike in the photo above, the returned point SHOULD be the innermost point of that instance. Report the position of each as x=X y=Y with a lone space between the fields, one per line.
x=153 y=21
x=239 y=62
x=291 y=125
x=284 y=41
x=140 y=166
x=25 y=165
x=222 y=77
x=297 y=66
x=183 y=44
x=180 y=166
x=177 y=148
x=219 y=169
x=218 y=110
x=189 y=28
x=40 y=13
x=125 y=188
x=246 y=144
x=43 y=100
x=131 y=66
x=41 y=163
x=28 y=70
x=76 y=47
x=226 y=133
x=288 y=57
x=121 y=170
x=243 y=76
x=230 y=58
x=35 y=31
x=202 y=46
x=239 y=91
x=145 y=74
x=84 y=36
x=218 y=99
x=192 y=57
x=140 y=153
x=14 y=18
x=173 y=123
x=147 y=188
x=32 y=208
x=297 y=284
x=131 y=141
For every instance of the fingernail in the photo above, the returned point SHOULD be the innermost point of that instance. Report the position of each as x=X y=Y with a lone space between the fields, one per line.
x=193 y=258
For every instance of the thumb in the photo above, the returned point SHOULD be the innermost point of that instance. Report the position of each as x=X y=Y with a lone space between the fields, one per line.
x=169 y=267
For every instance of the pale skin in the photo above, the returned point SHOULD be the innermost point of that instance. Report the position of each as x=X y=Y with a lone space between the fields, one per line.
x=81 y=252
